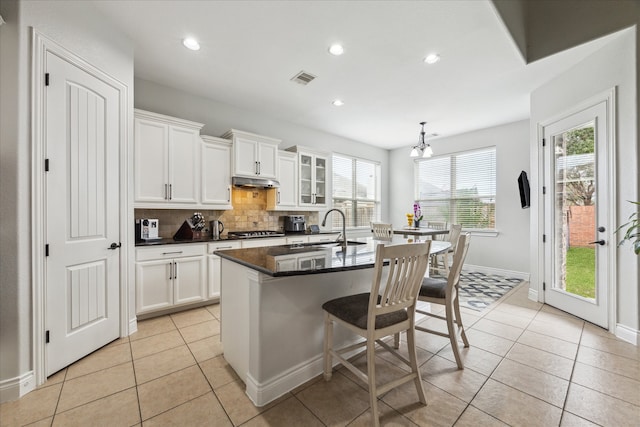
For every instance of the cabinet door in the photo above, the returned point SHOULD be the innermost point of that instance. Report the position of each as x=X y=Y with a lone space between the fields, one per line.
x=216 y=175
x=151 y=170
x=267 y=160
x=320 y=181
x=213 y=288
x=297 y=240
x=154 y=288
x=189 y=280
x=318 y=238
x=306 y=177
x=184 y=171
x=245 y=159
x=288 y=179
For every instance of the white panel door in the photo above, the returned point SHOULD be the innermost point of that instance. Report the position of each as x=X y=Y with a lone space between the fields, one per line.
x=82 y=213
x=184 y=171
x=216 y=174
x=151 y=169
x=189 y=279
x=267 y=160
x=245 y=159
x=288 y=178
x=154 y=285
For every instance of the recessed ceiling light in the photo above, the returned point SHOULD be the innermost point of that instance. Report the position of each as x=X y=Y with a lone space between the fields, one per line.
x=338 y=103
x=191 y=43
x=336 y=49
x=432 y=58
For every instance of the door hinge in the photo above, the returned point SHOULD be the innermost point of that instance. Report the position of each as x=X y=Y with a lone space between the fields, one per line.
x=544 y=286
x=544 y=238
x=46 y=165
x=544 y=142
x=46 y=79
x=544 y=190
x=46 y=250
x=46 y=337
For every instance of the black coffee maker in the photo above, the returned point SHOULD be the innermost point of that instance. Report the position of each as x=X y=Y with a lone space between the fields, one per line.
x=293 y=223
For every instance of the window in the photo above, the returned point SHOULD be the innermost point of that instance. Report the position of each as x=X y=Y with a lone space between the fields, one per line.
x=459 y=188
x=356 y=190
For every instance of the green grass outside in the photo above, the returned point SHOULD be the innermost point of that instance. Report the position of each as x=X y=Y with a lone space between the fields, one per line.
x=581 y=272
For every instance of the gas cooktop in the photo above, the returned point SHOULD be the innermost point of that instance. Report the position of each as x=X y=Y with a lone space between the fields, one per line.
x=253 y=233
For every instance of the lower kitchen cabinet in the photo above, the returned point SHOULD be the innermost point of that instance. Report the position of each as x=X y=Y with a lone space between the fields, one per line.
x=169 y=276
x=214 y=273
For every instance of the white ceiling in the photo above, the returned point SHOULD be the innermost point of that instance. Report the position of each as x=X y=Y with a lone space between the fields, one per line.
x=251 y=49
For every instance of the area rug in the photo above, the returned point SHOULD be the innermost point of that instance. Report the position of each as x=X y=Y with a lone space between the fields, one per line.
x=479 y=290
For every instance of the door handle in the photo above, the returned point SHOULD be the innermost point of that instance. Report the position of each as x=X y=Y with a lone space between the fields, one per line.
x=599 y=242
x=114 y=246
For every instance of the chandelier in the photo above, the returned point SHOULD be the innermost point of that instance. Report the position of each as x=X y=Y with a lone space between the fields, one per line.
x=422 y=149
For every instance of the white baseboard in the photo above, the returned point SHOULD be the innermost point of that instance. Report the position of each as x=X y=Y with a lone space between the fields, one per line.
x=15 y=388
x=261 y=394
x=264 y=393
x=533 y=295
x=627 y=334
x=490 y=270
x=133 y=325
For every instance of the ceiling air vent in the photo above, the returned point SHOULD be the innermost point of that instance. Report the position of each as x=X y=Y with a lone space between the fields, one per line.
x=303 y=78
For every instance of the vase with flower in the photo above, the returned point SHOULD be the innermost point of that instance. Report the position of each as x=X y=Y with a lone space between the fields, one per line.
x=417 y=215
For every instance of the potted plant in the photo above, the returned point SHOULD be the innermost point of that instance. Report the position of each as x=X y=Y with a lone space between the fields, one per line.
x=417 y=214
x=632 y=233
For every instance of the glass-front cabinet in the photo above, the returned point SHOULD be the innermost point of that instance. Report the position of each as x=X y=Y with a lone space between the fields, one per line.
x=313 y=180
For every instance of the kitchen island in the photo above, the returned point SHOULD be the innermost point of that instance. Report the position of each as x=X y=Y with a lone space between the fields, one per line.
x=271 y=308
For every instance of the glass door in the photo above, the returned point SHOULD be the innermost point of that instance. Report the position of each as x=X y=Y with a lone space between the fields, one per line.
x=577 y=233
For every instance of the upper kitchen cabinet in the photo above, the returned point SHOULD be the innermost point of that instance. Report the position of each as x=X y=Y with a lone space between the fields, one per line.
x=216 y=173
x=312 y=175
x=167 y=161
x=254 y=156
x=285 y=197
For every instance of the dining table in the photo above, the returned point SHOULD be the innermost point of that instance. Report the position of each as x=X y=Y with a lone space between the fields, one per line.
x=418 y=232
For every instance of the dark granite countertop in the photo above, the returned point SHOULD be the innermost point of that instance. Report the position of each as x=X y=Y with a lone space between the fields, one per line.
x=171 y=241
x=313 y=258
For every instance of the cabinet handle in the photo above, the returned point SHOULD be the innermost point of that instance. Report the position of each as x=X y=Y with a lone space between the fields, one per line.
x=170 y=191
x=256 y=167
x=222 y=247
x=228 y=194
x=170 y=270
x=166 y=191
x=259 y=167
x=278 y=198
x=170 y=253
x=175 y=270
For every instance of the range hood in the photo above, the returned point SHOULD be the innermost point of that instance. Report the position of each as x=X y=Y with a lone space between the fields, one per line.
x=243 y=182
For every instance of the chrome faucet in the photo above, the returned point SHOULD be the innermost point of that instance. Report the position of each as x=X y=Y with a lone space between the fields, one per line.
x=344 y=225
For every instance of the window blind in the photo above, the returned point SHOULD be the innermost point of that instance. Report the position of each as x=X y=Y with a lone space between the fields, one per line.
x=459 y=188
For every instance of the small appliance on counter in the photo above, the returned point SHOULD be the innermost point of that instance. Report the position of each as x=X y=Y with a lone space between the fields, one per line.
x=216 y=227
x=147 y=229
x=294 y=223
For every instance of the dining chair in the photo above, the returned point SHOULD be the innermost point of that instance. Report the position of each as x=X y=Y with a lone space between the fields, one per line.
x=445 y=291
x=440 y=262
x=387 y=310
x=382 y=231
x=438 y=225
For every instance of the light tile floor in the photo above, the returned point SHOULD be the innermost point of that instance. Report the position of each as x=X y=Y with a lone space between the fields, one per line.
x=528 y=365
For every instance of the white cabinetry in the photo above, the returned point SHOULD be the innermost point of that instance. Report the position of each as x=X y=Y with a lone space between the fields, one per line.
x=319 y=238
x=297 y=240
x=253 y=155
x=313 y=175
x=285 y=197
x=256 y=243
x=167 y=169
x=169 y=275
x=216 y=173
x=213 y=290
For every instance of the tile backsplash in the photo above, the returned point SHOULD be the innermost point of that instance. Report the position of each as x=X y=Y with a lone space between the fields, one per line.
x=248 y=213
